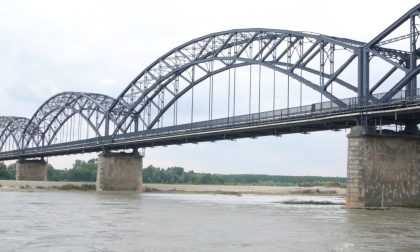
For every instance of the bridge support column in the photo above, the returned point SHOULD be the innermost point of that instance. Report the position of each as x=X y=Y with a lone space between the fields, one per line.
x=119 y=172
x=35 y=170
x=382 y=171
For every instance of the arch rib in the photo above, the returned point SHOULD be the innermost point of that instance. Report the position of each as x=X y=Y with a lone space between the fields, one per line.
x=46 y=118
x=147 y=85
x=12 y=127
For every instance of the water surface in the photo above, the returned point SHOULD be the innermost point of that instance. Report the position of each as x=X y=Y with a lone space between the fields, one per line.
x=90 y=221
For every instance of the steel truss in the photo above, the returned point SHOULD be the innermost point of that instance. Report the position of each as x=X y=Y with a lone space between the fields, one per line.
x=194 y=62
x=56 y=111
x=12 y=130
x=297 y=55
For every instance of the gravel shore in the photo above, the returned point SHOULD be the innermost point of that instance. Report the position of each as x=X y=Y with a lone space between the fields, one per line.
x=13 y=185
x=245 y=189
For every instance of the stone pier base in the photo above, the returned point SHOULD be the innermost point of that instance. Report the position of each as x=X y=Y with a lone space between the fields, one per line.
x=119 y=172
x=35 y=170
x=382 y=171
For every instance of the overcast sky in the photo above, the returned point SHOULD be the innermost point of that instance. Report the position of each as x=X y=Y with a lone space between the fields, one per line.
x=48 y=47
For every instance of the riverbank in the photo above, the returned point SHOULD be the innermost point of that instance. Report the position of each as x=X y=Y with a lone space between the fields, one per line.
x=13 y=185
x=245 y=189
x=18 y=185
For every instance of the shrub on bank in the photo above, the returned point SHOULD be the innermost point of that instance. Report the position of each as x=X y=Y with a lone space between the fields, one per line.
x=82 y=187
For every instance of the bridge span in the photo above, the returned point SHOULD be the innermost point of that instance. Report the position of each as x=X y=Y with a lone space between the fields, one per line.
x=295 y=120
x=247 y=83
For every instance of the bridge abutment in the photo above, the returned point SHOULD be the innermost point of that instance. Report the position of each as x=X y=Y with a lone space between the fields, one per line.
x=382 y=171
x=119 y=172
x=34 y=170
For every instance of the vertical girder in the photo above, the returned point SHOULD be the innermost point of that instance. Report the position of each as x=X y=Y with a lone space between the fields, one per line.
x=412 y=85
x=363 y=77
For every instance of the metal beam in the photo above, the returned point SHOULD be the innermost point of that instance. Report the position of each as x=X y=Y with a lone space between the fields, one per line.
x=339 y=71
x=392 y=27
x=382 y=80
x=402 y=83
x=315 y=44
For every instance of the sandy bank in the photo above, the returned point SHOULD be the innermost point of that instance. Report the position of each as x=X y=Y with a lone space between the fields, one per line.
x=13 y=185
x=245 y=189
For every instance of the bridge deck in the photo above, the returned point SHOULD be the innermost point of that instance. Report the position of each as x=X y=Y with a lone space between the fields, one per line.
x=316 y=117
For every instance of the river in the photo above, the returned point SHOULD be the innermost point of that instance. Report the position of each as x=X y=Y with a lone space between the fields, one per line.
x=91 y=221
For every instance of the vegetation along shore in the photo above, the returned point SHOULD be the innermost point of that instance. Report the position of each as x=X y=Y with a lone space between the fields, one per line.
x=82 y=176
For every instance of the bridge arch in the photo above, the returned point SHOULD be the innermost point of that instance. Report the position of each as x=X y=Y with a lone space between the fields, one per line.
x=11 y=132
x=52 y=115
x=280 y=50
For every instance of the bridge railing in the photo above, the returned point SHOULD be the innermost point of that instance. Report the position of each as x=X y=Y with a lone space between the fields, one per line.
x=292 y=113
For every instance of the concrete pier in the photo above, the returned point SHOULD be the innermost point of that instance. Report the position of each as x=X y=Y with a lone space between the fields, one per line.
x=119 y=172
x=382 y=171
x=35 y=170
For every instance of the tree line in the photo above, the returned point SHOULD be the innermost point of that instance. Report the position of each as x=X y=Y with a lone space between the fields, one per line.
x=81 y=171
x=7 y=172
x=86 y=171
x=177 y=175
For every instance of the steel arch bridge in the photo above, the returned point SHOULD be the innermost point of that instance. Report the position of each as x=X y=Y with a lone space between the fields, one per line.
x=232 y=84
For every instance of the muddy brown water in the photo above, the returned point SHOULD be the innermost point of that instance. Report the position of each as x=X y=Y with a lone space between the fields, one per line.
x=92 y=221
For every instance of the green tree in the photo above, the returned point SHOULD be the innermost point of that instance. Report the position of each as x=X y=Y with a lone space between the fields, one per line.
x=8 y=172
x=55 y=175
x=11 y=170
x=205 y=179
x=82 y=171
x=3 y=171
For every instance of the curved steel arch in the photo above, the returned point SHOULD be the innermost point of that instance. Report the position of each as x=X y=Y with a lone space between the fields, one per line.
x=57 y=110
x=12 y=127
x=244 y=63
x=180 y=62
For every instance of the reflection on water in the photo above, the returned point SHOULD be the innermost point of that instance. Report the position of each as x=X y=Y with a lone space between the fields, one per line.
x=90 y=221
